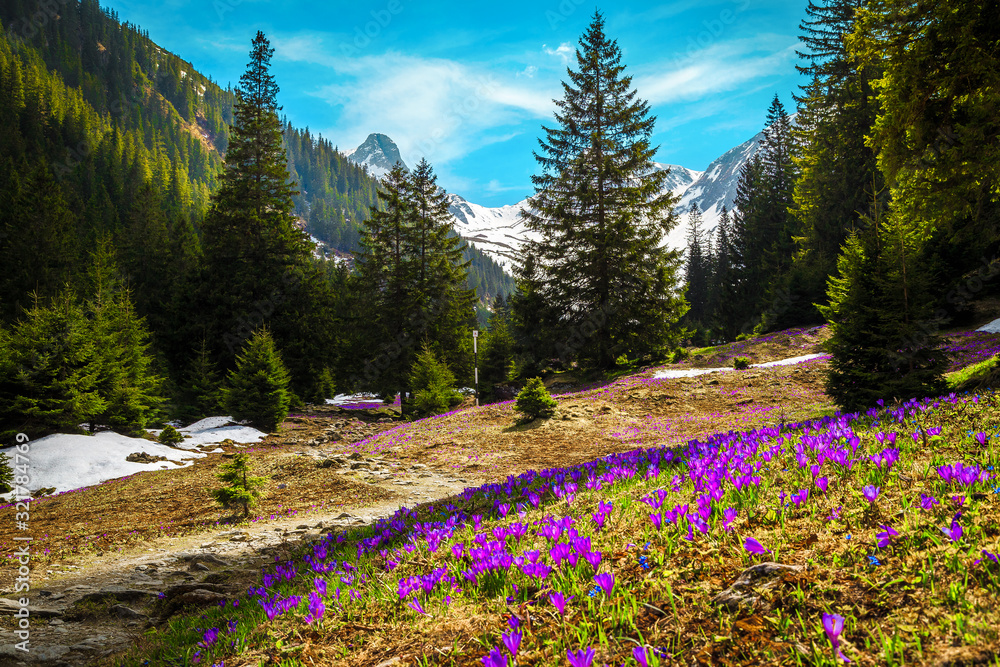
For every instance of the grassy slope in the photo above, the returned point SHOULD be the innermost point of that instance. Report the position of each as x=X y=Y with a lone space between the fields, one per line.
x=405 y=589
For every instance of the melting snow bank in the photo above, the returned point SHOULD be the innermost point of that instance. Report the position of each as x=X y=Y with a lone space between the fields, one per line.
x=213 y=430
x=692 y=372
x=69 y=462
x=992 y=327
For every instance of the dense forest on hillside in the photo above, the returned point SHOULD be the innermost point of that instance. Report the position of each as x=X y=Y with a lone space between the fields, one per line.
x=112 y=150
x=896 y=129
x=107 y=111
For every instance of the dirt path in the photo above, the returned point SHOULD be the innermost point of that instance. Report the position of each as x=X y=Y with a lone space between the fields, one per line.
x=83 y=613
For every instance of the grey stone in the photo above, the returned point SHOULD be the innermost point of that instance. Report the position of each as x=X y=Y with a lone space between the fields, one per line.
x=118 y=594
x=121 y=611
x=745 y=591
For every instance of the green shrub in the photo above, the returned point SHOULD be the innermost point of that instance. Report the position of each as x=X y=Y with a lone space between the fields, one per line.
x=242 y=489
x=433 y=385
x=534 y=401
x=679 y=355
x=258 y=388
x=170 y=436
x=741 y=363
x=622 y=361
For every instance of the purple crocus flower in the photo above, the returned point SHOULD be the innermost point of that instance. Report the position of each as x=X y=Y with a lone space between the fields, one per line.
x=320 y=584
x=316 y=608
x=833 y=625
x=954 y=531
x=594 y=558
x=606 y=581
x=871 y=493
x=559 y=601
x=581 y=658
x=728 y=516
x=416 y=606
x=927 y=502
x=657 y=520
x=495 y=658
x=755 y=547
x=209 y=638
x=822 y=483
x=886 y=537
x=512 y=640
x=639 y=653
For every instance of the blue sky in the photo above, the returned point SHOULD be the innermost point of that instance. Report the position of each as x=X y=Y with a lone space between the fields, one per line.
x=469 y=85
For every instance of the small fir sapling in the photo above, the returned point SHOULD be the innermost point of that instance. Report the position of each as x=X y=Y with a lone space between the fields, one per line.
x=242 y=490
x=534 y=401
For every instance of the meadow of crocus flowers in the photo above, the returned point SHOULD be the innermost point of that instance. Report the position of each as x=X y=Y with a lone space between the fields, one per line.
x=891 y=516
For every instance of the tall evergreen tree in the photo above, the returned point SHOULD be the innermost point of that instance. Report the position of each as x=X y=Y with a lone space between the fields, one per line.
x=440 y=268
x=747 y=281
x=720 y=305
x=697 y=270
x=258 y=262
x=411 y=277
x=383 y=282
x=936 y=135
x=127 y=381
x=778 y=179
x=880 y=315
x=837 y=110
x=600 y=213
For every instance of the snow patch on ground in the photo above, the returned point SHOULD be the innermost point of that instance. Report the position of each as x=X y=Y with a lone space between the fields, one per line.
x=692 y=372
x=213 y=430
x=992 y=327
x=69 y=462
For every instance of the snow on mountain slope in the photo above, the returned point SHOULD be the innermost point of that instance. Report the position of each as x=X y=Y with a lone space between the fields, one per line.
x=498 y=231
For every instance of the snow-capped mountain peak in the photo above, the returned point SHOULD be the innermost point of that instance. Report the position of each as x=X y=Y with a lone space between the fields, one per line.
x=378 y=153
x=497 y=231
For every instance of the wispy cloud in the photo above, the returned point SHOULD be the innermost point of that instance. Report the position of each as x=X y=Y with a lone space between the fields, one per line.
x=563 y=52
x=718 y=68
x=434 y=108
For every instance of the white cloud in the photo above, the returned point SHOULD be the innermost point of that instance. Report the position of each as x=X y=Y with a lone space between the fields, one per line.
x=528 y=71
x=433 y=108
x=563 y=52
x=718 y=68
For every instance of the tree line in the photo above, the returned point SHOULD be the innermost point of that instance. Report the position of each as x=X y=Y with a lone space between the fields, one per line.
x=876 y=208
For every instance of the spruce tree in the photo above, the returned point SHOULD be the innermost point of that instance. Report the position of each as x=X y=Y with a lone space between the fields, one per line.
x=879 y=315
x=936 y=134
x=127 y=381
x=600 y=213
x=747 y=281
x=411 y=277
x=440 y=269
x=50 y=371
x=258 y=263
x=534 y=401
x=837 y=108
x=720 y=306
x=433 y=384
x=383 y=281
x=697 y=269
x=242 y=489
x=257 y=391
x=778 y=179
